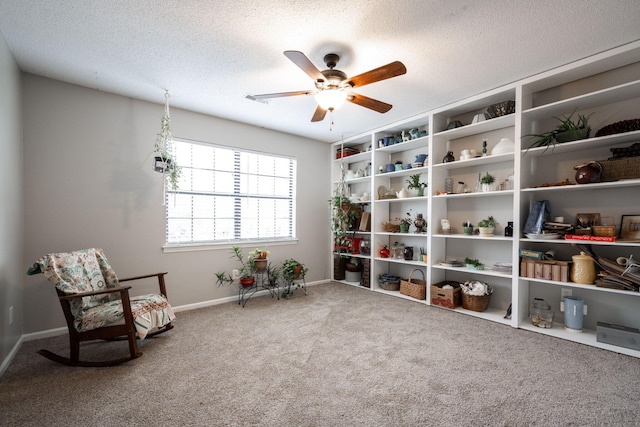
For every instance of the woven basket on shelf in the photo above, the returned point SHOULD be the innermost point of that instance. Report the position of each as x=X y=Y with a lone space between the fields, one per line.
x=617 y=169
x=605 y=230
x=415 y=288
x=474 y=302
x=389 y=282
x=391 y=228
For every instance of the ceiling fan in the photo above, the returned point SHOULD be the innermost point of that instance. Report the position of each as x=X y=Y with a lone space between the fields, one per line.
x=333 y=87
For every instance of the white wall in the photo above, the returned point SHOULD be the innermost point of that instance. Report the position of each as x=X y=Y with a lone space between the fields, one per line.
x=11 y=210
x=87 y=185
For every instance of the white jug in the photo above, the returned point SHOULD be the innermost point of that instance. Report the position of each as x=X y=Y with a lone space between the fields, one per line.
x=402 y=194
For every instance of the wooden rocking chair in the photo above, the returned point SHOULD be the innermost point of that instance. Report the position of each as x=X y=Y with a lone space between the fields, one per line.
x=96 y=307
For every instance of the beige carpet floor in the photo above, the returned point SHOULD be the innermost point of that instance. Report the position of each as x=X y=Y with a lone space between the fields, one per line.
x=340 y=356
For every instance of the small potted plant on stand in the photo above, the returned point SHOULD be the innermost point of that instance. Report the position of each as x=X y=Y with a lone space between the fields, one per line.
x=258 y=258
x=414 y=183
x=487 y=182
x=487 y=226
x=247 y=279
x=291 y=271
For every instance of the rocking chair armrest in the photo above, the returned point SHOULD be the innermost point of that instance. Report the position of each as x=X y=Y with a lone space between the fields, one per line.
x=160 y=276
x=90 y=293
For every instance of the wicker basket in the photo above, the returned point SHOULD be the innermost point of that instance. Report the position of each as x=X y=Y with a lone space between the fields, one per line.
x=604 y=230
x=625 y=168
x=391 y=228
x=415 y=288
x=474 y=302
x=388 y=282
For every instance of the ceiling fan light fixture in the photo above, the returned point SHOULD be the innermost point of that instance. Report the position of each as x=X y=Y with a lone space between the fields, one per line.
x=330 y=99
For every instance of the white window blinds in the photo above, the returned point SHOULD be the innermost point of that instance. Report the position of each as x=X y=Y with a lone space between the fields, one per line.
x=230 y=195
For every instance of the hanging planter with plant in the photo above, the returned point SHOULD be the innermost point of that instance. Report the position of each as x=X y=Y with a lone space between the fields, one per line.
x=164 y=152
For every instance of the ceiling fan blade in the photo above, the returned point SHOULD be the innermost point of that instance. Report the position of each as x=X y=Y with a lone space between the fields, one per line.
x=393 y=69
x=319 y=114
x=373 y=104
x=304 y=63
x=278 y=95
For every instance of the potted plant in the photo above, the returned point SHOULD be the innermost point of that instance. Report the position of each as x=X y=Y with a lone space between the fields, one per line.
x=487 y=226
x=414 y=183
x=246 y=279
x=487 y=182
x=163 y=150
x=467 y=228
x=567 y=130
x=258 y=259
x=274 y=274
x=474 y=264
x=405 y=223
x=343 y=223
x=292 y=270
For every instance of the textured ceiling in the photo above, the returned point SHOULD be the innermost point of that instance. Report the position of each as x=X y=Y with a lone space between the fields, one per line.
x=210 y=54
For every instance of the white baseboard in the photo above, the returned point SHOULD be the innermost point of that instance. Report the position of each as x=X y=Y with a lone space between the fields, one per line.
x=7 y=360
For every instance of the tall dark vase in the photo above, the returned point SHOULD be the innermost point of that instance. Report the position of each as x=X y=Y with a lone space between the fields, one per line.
x=339 y=267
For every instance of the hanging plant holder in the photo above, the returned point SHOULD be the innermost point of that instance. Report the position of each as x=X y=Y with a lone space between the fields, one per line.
x=164 y=154
x=161 y=165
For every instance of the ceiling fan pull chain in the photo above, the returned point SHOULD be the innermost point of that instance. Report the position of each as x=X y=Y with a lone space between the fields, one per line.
x=331 y=118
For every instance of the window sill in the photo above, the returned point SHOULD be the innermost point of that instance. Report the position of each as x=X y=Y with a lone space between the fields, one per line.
x=209 y=246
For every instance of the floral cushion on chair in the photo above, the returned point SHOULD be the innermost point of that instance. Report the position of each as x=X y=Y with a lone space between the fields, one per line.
x=89 y=270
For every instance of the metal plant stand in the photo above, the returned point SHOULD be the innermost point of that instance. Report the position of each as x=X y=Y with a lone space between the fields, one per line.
x=262 y=282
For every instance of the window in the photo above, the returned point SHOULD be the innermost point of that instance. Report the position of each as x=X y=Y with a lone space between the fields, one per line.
x=229 y=195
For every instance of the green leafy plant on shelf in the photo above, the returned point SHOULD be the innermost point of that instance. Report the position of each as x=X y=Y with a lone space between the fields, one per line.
x=474 y=264
x=489 y=222
x=566 y=130
x=487 y=179
x=414 y=183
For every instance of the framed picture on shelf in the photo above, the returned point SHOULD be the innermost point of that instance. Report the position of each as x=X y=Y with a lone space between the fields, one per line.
x=630 y=227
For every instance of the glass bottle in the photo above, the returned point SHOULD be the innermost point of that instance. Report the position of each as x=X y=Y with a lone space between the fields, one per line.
x=508 y=230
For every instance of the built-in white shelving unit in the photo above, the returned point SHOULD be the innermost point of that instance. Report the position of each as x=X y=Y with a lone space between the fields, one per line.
x=606 y=86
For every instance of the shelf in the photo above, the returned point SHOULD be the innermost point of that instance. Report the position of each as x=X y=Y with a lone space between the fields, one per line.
x=584 y=144
x=581 y=286
x=477 y=128
x=478 y=161
x=402 y=261
x=601 y=97
x=469 y=271
x=357 y=180
x=403 y=172
x=587 y=337
x=624 y=183
x=355 y=158
x=473 y=237
x=492 y=314
x=356 y=255
x=476 y=194
x=633 y=243
x=422 y=142
x=386 y=233
x=405 y=199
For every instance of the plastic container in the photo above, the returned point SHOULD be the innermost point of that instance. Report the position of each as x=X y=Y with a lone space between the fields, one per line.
x=540 y=314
